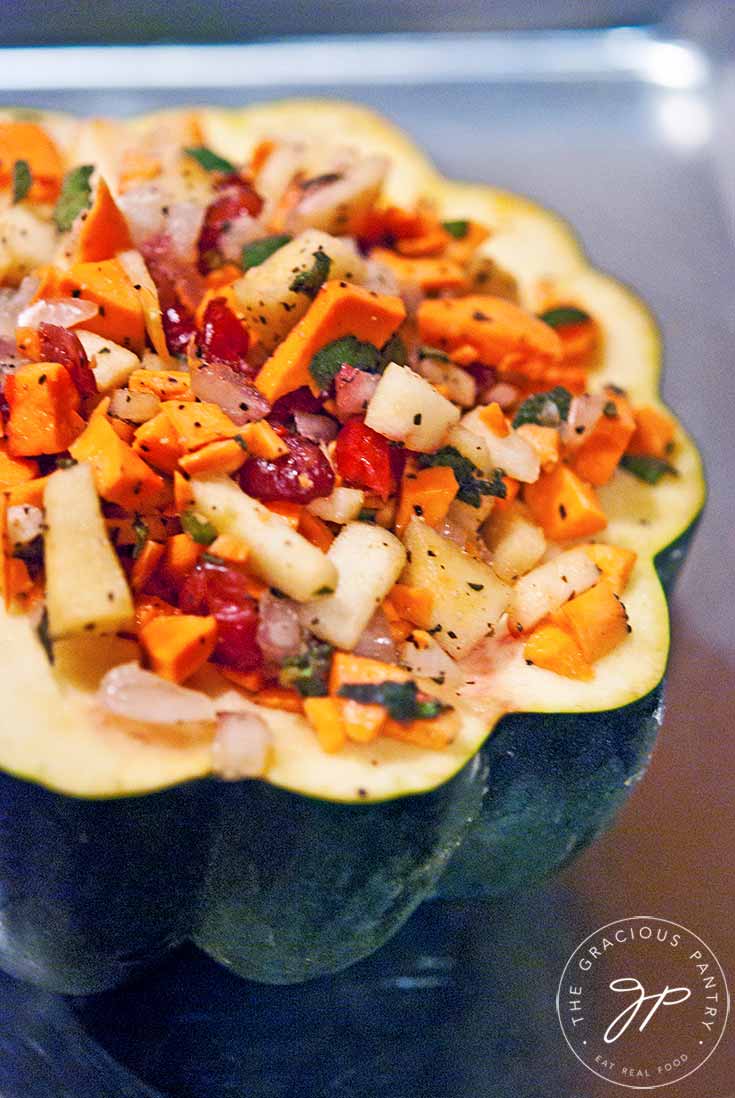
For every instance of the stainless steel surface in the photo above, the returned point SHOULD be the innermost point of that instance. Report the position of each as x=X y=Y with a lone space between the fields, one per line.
x=638 y=157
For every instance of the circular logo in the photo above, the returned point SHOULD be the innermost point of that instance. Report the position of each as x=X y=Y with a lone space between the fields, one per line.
x=643 y=1002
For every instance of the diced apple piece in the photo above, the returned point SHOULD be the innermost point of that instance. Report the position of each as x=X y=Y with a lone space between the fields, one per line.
x=342 y=506
x=468 y=596
x=340 y=205
x=26 y=242
x=515 y=541
x=407 y=408
x=549 y=586
x=278 y=554
x=511 y=452
x=368 y=561
x=112 y=364
x=460 y=386
x=86 y=589
x=263 y=293
x=471 y=446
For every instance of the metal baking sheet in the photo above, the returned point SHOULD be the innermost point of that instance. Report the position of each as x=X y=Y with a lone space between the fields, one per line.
x=626 y=134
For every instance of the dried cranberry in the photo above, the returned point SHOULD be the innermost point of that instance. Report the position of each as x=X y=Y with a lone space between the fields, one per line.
x=237 y=197
x=220 y=590
x=57 y=344
x=223 y=337
x=178 y=327
x=300 y=400
x=300 y=476
x=363 y=457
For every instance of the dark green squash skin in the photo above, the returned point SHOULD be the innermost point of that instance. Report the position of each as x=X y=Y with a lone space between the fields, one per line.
x=556 y=781
x=281 y=887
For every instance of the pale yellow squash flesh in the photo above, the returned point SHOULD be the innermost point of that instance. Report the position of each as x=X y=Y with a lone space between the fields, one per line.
x=53 y=733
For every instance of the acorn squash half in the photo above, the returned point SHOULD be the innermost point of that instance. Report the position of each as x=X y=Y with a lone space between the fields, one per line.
x=113 y=849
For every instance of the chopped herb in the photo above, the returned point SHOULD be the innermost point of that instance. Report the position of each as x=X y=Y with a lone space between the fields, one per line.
x=403 y=700
x=258 y=251
x=199 y=530
x=546 y=409
x=433 y=352
x=22 y=180
x=472 y=485
x=65 y=462
x=564 y=316
x=75 y=196
x=209 y=160
x=476 y=586
x=325 y=364
x=367 y=515
x=647 y=468
x=31 y=553
x=44 y=636
x=394 y=351
x=309 y=671
x=309 y=282
x=610 y=409
x=141 y=531
x=457 y=229
x=325 y=590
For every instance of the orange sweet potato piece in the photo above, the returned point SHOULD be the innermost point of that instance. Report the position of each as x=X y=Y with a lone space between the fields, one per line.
x=157 y=443
x=29 y=492
x=495 y=328
x=325 y=717
x=434 y=734
x=179 y=558
x=512 y=488
x=165 y=384
x=198 y=423
x=654 y=432
x=555 y=649
x=43 y=402
x=148 y=607
x=178 y=645
x=183 y=495
x=28 y=141
x=230 y=548
x=120 y=475
x=146 y=564
x=415 y=604
x=428 y=273
x=15 y=470
x=262 y=441
x=104 y=231
x=280 y=697
x=614 y=561
x=362 y=723
x=494 y=419
x=431 y=242
x=597 y=458
x=315 y=530
x=347 y=668
x=427 y=493
x=225 y=456
x=291 y=512
x=596 y=619
x=565 y=506
x=120 y=316
x=545 y=441
x=339 y=309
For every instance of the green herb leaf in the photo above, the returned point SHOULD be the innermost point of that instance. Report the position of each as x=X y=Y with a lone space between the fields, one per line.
x=367 y=515
x=141 y=531
x=30 y=552
x=199 y=530
x=433 y=352
x=394 y=351
x=610 y=409
x=76 y=194
x=309 y=671
x=647 y=468
x=44 y=636
x=457 y=229
x=564 y=316
x=325 y=364
x=258 y=251
x=472 y=485
x=403 y=700
x=22 y=180
x=546 y=409
x=66 y=462
x=310 y=281
x=209 y=160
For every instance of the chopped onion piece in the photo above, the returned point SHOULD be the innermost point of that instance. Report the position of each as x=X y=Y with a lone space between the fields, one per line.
x=584 y=412
x=220 y=384
x=135 y=407
x=24 y=523
x=502 y=393
x=376 y=641
x=183 y=226
x=64 y=311
x=12 y=304
x=242 y=745
x=279 y=628
x=429 y=661
x=143 y=207
x=342 y=505
x=546 y=588
x=137 y=695
x=314 y=427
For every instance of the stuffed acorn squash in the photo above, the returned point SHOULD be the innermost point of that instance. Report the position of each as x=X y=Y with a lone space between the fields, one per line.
x=336 y=503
